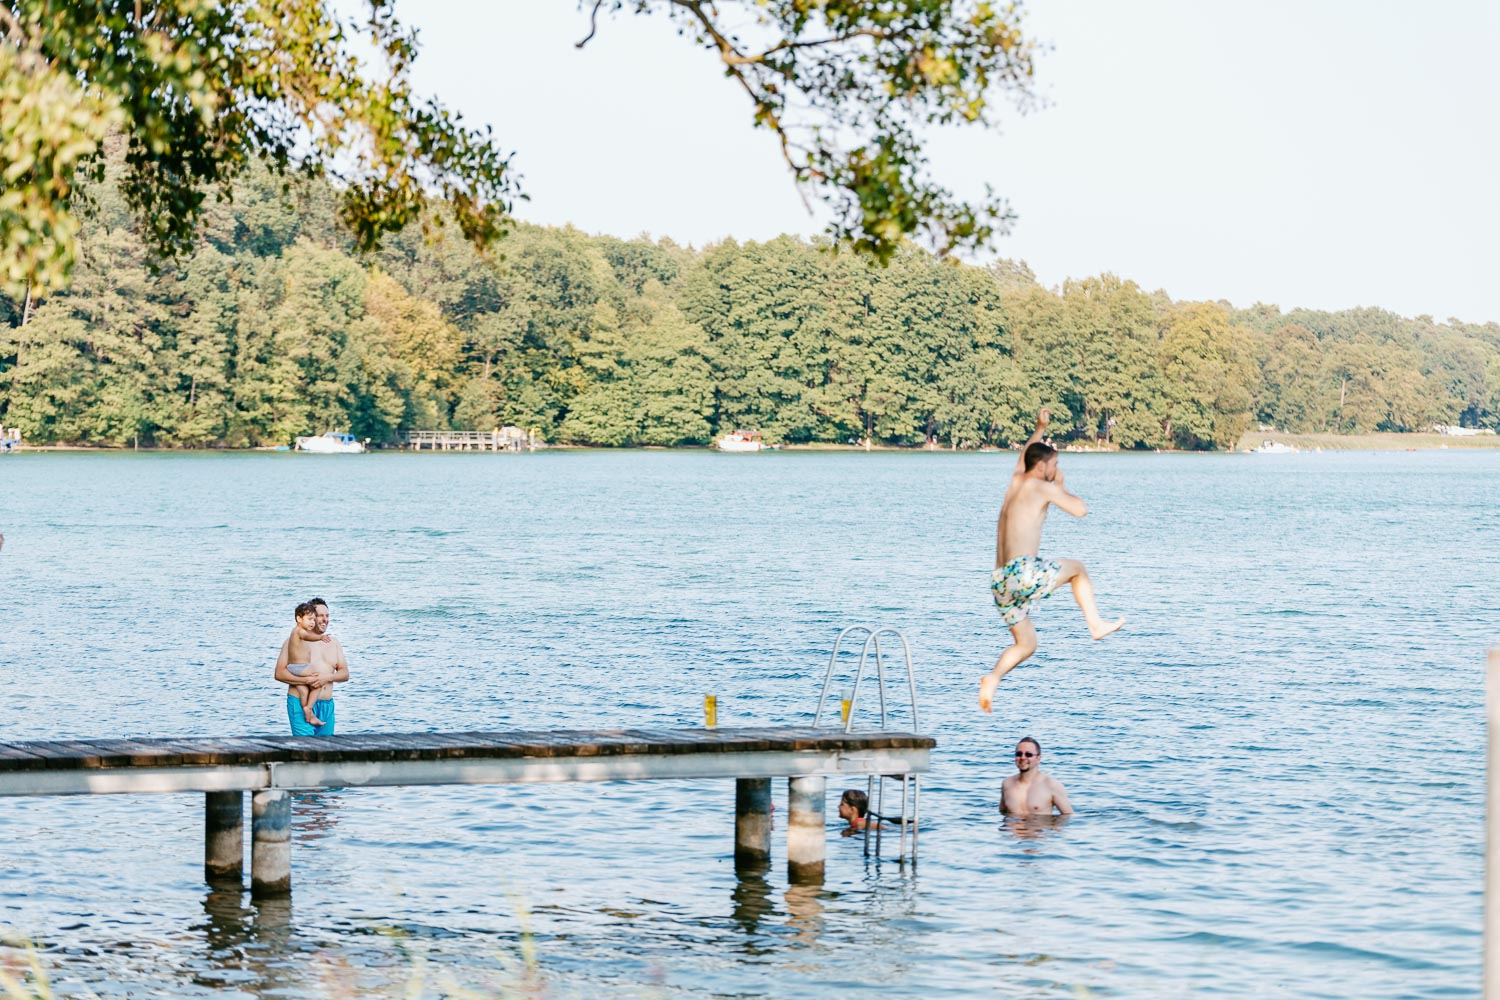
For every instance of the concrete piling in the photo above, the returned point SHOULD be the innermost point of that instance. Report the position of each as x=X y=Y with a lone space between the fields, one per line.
x=752 y=822
x=806 y=834
x=271 y=843
x=223 y=769
x=223 y=836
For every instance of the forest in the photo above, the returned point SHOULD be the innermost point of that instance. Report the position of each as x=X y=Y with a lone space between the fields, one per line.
x=274 y=326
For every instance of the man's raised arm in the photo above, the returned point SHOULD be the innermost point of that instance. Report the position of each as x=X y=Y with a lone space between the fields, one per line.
x=1042 y=419
x=1059 y=497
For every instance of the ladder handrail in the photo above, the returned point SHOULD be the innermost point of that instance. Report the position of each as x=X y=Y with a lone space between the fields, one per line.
x=911 y=677
x=910 y=782
x=828 y=678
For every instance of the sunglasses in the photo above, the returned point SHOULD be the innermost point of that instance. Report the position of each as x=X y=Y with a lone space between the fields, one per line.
x=1025 y=753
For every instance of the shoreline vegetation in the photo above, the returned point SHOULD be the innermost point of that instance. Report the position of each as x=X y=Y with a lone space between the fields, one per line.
x=1382 y=441
x=276 y=327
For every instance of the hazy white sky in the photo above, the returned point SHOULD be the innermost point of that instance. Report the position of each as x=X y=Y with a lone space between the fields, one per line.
x=1325 y=154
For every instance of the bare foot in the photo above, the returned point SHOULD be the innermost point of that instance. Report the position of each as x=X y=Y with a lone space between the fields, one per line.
x=1105 y=628
x=987 y=685
x=313 y=720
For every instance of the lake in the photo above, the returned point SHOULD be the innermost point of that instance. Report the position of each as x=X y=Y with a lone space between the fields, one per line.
x=1278 y=764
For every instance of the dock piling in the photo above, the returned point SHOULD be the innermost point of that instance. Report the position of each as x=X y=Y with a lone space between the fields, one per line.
x=752 y=823
x=271 y=843
x=806 y=833
x=223 y=836
x=223 y=769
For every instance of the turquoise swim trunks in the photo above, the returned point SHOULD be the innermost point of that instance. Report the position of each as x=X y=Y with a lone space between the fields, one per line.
x=1020 y=583
x=300 y=726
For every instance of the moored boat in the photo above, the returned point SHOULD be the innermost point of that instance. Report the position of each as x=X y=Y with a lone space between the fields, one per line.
x=1269 y=447
x=331 y=443
x=741 y=441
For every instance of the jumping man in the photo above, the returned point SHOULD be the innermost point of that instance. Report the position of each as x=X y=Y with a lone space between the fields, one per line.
x=1021 y=578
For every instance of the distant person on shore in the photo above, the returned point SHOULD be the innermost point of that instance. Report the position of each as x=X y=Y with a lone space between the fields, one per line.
x=1022 y=578
x=1029 y=792
x=299 y=660
x=327 y=667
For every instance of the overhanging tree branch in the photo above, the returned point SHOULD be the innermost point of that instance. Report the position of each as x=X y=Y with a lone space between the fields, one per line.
x=865 y=80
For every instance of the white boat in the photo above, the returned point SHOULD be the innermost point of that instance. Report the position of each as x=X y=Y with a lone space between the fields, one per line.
x=740 y=441
x=332 y=443
x=1269 y=447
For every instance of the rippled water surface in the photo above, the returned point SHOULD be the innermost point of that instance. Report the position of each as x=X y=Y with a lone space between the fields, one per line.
x=1278 y=764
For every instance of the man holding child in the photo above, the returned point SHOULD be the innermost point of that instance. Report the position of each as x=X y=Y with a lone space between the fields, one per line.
x=325 y=666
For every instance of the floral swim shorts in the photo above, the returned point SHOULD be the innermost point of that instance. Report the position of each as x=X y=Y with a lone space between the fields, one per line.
x=1020 y=583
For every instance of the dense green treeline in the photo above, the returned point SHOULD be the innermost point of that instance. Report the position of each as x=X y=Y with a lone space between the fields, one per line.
x=275 y=328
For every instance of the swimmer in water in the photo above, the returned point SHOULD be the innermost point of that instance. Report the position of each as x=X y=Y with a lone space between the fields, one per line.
x=1030 y=792
x=1022 y=578
x=854 y=809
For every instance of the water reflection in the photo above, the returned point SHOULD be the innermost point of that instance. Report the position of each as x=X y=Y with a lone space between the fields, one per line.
x=751 y=903
x=804 y=909
x=1033 y=827
x=250 y=945
x=315 y=814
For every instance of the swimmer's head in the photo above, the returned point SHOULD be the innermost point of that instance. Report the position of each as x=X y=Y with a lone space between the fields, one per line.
x=853 y=803
x=1028 y=753
x=306 y=614
x=1039 y=453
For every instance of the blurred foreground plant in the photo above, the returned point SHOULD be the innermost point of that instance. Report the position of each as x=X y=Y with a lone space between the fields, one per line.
x=14 y=975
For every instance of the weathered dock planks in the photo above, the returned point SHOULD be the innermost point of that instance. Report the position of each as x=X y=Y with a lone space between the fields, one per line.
x=269 y=766
x=82 y=767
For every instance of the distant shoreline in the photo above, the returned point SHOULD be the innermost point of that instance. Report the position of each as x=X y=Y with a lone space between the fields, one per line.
x=1392 y=441
x=1367 y=442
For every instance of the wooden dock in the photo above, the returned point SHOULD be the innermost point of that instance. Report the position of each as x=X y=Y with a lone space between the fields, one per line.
x=271 y=766
x=502 y=439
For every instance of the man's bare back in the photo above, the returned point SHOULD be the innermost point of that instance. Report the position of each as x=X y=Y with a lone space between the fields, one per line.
x=1023 y=512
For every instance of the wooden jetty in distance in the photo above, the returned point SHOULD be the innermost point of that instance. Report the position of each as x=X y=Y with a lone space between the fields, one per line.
x=269 y=767
x=500 y=439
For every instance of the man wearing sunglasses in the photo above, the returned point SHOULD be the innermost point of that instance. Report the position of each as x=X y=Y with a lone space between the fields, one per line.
x=1029 y=792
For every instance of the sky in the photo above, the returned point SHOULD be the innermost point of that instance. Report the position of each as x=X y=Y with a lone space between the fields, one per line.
x=1315 y=153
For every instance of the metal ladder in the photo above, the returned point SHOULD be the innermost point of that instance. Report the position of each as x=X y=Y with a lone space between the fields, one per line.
x=911 y=784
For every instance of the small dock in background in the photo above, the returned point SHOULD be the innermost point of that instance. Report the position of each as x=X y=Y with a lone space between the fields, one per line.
x=501 y=439
x=270 y=767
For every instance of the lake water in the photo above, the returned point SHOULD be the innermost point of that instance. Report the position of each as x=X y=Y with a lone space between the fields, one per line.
x=1278 y=765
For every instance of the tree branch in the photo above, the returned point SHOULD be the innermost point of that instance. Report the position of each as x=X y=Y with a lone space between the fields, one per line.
x=593 y=24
